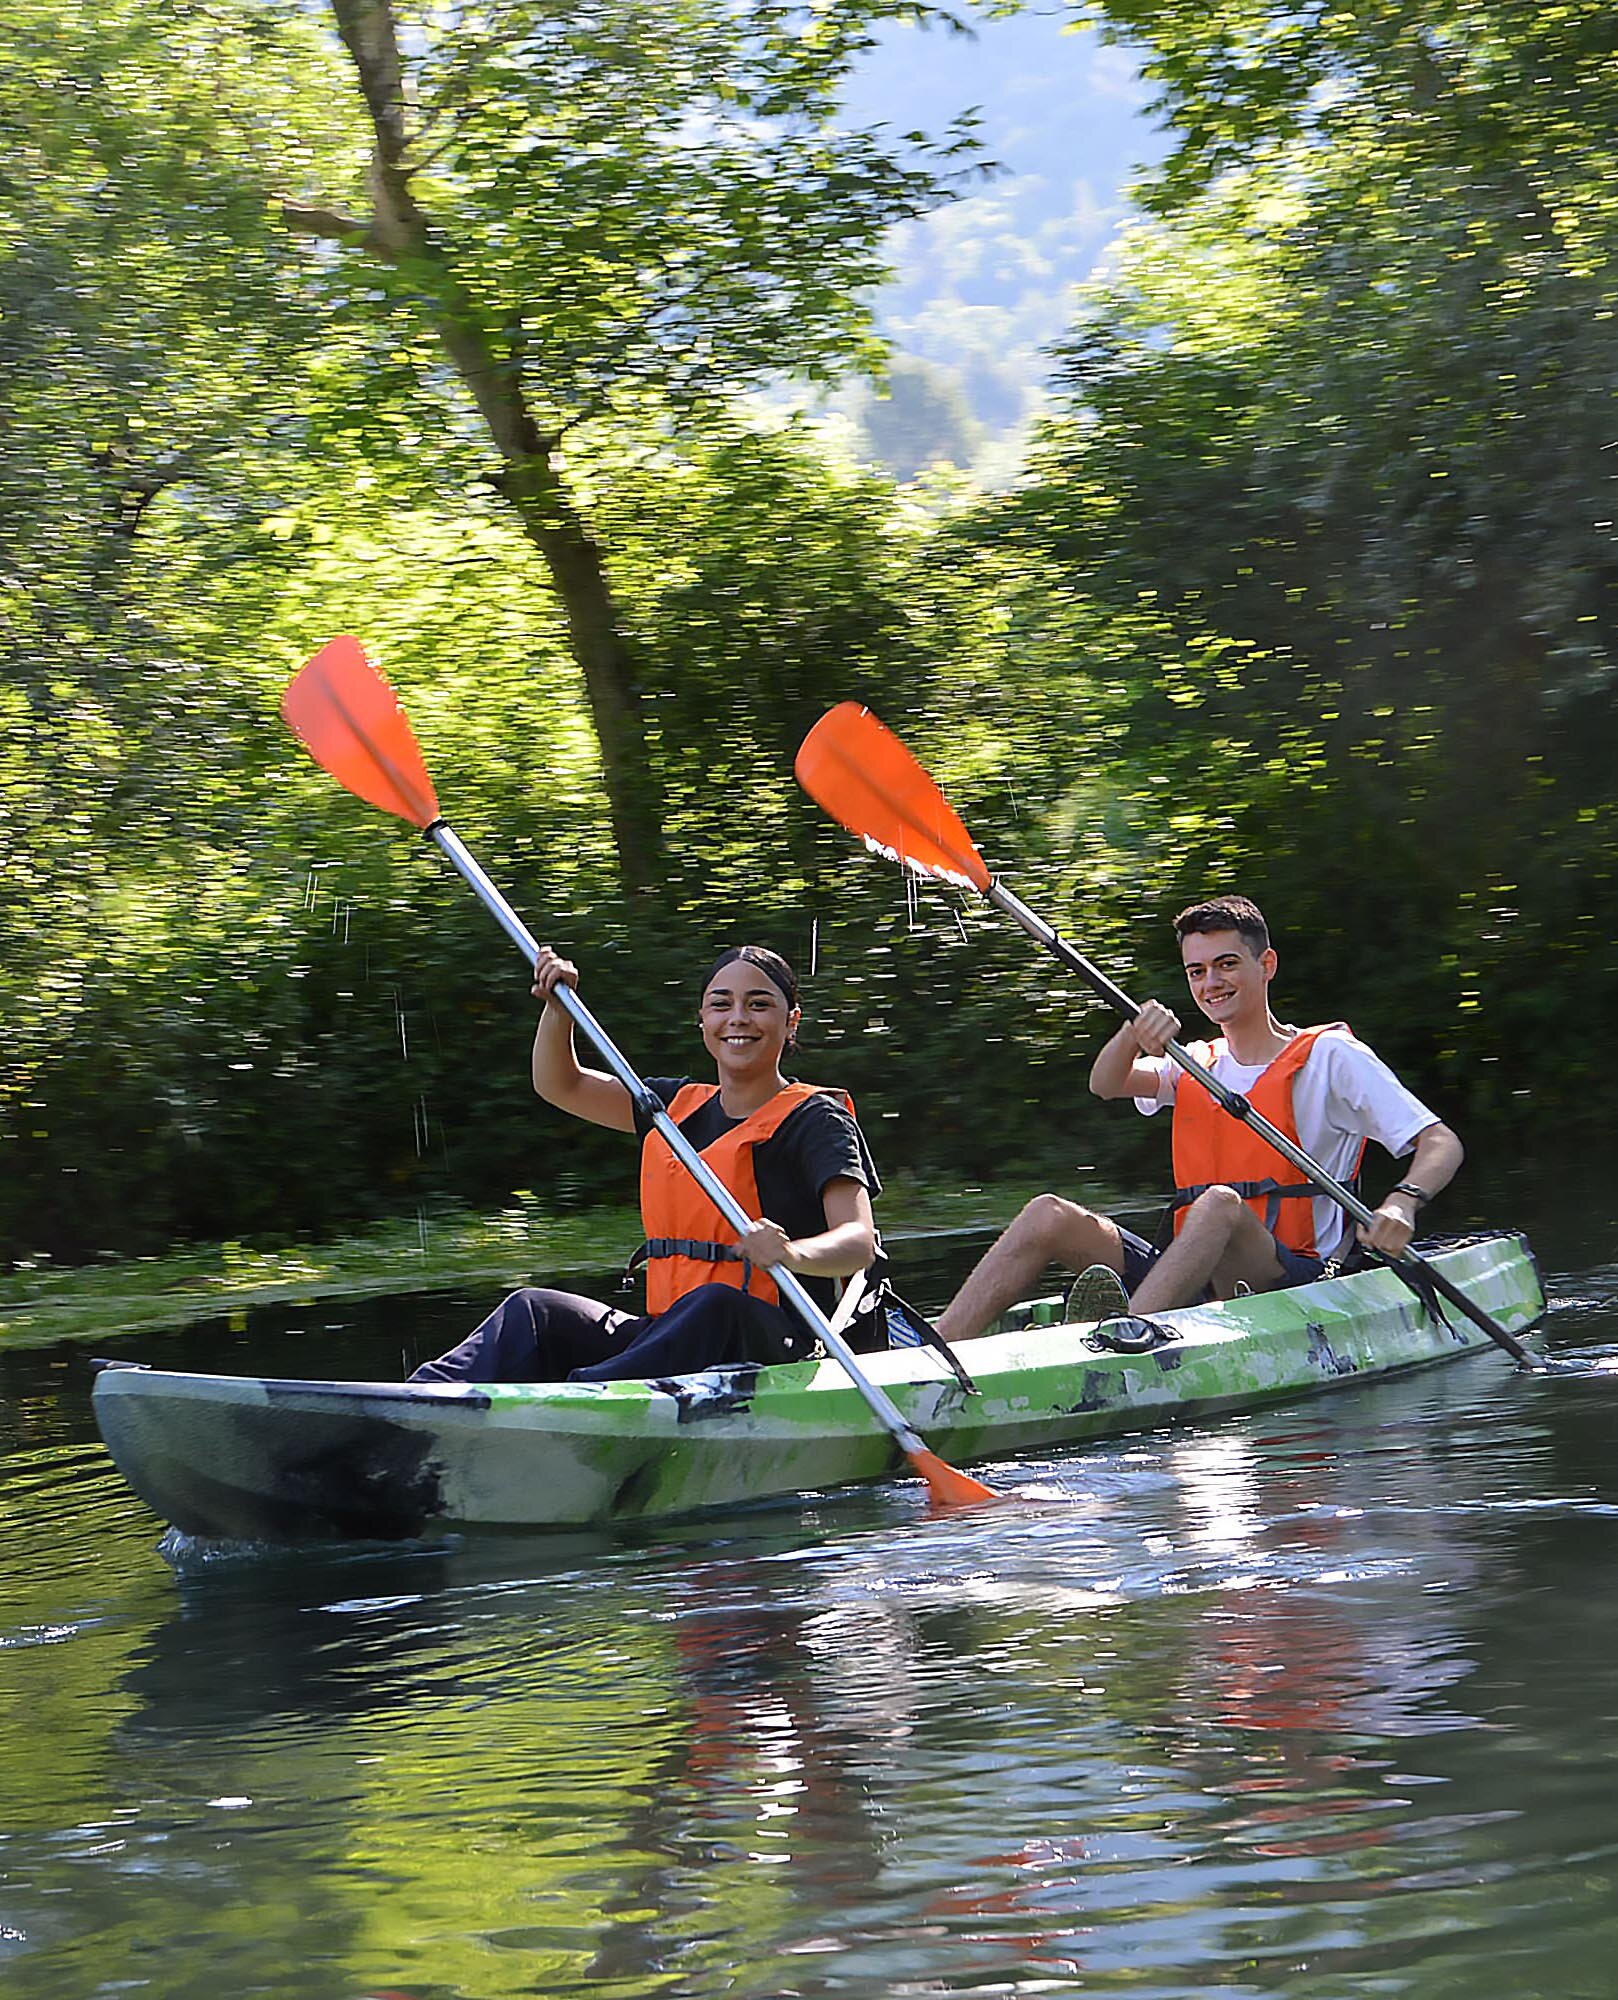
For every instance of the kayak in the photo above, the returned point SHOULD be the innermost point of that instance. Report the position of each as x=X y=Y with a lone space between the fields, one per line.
x=256 y=1459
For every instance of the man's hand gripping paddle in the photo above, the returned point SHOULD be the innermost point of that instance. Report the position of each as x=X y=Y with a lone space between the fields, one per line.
x=865 y=778
x=350 y=721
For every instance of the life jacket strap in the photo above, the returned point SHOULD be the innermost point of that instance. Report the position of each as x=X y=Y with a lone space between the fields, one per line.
x=1273 y=1192
x=686 y=1246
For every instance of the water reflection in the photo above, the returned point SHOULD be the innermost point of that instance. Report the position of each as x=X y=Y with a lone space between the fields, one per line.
x=1319 y=1702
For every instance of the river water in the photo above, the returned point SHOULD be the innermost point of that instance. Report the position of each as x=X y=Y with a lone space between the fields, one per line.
x=1317 y=1702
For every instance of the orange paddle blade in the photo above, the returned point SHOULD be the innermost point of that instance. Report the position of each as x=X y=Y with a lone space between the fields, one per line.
x=350 y=721
x=948 y=1488
x=859 y=771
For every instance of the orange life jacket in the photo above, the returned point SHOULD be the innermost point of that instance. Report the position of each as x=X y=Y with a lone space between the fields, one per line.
x=688 y=1242
x=1213 y=1149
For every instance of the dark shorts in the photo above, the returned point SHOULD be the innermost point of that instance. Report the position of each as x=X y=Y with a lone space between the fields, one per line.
x=1299 y=1267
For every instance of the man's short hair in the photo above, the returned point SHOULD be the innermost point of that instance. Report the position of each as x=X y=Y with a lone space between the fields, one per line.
x=1225 y=913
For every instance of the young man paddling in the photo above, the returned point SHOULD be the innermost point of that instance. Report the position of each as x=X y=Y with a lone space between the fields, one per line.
x=789 y=1152
x=1244 y=1216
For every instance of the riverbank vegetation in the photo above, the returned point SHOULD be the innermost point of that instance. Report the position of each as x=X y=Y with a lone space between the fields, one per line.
x=313 y=322
x=520 y=1244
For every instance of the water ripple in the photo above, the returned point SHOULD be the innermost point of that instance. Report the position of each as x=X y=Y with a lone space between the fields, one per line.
x=1320 y=1702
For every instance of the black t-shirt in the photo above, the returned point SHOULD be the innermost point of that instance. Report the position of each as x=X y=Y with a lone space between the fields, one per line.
x=816 y=1143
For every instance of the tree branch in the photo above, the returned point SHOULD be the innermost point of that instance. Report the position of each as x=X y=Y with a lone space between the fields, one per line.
x=398 y=233
x=330 y=225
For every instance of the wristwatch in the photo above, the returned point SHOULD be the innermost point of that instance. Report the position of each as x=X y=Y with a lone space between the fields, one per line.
x=1418 y=1195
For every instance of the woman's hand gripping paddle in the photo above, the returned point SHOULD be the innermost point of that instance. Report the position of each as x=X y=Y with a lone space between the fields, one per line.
x=350 y=721
x=865 y=778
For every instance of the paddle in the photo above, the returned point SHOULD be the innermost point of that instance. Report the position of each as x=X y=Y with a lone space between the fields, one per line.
x=350 y=721
x=865 y=778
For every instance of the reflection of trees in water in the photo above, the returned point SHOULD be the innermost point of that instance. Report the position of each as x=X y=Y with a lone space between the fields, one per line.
x=1305 y=1687
x=421 y=1768
x=75 y=1563
x=431 y=1753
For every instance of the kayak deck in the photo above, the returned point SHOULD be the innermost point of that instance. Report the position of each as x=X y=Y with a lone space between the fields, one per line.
x=286 y=1460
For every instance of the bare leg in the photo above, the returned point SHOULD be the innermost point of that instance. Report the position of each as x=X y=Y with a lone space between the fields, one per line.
x=1048 y=1231
x=1222 y=1243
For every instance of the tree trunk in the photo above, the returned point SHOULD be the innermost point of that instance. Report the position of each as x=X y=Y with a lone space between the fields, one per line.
x=398 y=234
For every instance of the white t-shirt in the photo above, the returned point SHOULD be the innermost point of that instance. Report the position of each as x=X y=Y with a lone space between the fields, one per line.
x=1344 y=1093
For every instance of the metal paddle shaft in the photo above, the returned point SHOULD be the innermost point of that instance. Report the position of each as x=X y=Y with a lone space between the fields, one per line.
x=1238 y=1107
x=882 y=1407
x=860 y=772
x=351 y=723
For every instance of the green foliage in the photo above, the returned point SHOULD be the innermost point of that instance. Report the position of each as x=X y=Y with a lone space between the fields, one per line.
x=1310 y=590
x=662 y=199
x=223 y=445
x=1512 y=96
x=273 y=1013
x=1339 y=429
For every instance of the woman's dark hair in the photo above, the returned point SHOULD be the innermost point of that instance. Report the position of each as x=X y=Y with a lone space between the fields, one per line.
x=770 y=963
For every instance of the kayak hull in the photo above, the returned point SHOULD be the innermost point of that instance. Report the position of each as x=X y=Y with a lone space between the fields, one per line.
x=250 y=1458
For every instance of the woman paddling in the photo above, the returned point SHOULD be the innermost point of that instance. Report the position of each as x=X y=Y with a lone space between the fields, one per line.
x=790 y=1153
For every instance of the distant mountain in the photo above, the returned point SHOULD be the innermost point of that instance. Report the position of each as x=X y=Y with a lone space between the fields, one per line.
x=983 y=286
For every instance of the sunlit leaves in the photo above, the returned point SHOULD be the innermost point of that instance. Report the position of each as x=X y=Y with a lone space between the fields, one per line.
x=659 y=198
x=1349 y=408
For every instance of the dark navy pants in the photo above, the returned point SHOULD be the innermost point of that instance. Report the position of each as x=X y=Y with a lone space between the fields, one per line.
x=537 y=1335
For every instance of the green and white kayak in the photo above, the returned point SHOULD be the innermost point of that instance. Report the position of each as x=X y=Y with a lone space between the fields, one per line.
x=247 y=1458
